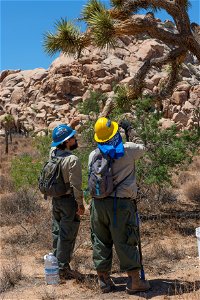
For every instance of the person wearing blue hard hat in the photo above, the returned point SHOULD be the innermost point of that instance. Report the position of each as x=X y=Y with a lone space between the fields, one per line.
x=66 y=208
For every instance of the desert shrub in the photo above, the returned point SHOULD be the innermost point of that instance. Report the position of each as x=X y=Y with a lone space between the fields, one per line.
x=83 y=154
x=48 y=294
x=192 y=191
x=122 y=99
x=168 y=150
x=25 y=170
x=11 y=274
x=169 y=253
x=42 y=144
x=87 y=133
x=93 y=103
x=19 y=205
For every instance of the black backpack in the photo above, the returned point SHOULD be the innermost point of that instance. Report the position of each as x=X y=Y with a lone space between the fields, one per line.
x=50 y=181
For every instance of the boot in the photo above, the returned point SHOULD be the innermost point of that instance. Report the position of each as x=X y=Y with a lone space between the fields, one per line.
x=135 y=284
x=68 y=273
x=105 y=282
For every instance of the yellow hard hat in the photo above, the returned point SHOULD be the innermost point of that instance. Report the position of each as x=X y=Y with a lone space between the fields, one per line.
x=104 y=130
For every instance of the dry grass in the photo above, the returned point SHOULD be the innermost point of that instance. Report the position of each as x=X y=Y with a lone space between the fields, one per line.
x=11 y=274
x=6 y=185
x=171 y=253
x=48 y=294
x=36 y=231
x=16 y=207
x=192 y=191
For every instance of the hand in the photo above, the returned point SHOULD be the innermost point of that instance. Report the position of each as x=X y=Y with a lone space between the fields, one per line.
x=126 y=125
x=81 y=210
x=74 y=122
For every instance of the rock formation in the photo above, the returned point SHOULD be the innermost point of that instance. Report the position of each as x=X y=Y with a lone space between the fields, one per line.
x=41 y=99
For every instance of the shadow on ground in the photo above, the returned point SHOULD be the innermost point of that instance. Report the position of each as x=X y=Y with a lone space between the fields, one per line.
x=161 y=287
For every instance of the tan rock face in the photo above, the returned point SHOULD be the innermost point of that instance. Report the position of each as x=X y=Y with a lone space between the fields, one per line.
x=180 y=117
x=150 y=49
x=179 y=97
x=42 y=98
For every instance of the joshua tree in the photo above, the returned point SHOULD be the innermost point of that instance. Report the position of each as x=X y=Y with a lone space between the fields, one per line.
x=8 y=126
x=106 y=26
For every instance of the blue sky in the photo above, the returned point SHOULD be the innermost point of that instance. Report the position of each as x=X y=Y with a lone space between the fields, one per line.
x=23 y=24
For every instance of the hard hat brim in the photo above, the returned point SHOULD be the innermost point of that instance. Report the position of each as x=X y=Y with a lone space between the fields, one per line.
x=115 y=125
x=55 y=144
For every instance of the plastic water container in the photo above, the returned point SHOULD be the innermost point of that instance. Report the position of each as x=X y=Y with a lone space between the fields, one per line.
x=198 y=239
x=51 y=269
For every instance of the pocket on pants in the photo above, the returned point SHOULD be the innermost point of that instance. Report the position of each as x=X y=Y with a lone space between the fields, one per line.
x=132 y=235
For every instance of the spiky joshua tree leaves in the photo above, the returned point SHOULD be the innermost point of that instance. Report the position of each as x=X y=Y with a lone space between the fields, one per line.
x=106 y=26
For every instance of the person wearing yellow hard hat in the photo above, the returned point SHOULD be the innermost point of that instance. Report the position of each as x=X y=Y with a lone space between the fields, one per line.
x=113 y=214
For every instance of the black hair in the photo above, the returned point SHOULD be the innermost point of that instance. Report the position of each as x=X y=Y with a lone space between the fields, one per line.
x=62 y=146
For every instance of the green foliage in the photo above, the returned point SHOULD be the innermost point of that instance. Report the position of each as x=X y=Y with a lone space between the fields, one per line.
x=92 y=104
x=103 y=31
x=91 y=7
x=43 y=144
x=168 y=150
x=121 y=99
x=88 y=133
x=83 y=154
x=8 y=119
x=25 y=171
x=67 y=38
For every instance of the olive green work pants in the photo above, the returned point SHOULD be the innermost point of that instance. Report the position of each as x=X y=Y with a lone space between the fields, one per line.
x=122 y=232
x=65 y=225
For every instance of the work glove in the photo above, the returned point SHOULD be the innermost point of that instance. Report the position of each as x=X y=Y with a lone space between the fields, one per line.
x=126 y=125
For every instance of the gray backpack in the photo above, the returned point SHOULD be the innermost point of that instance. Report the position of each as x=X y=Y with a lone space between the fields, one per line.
x=100 y=179
x=50 y=181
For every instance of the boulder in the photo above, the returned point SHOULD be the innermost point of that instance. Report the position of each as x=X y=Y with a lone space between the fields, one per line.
x=149 y=49
x=181 y=118
x=166 y=123
x=179 y=97
x=17 y=95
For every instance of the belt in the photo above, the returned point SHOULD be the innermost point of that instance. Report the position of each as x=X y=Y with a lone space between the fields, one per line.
x=125 y=198
x=65 y=196
x=110 y=197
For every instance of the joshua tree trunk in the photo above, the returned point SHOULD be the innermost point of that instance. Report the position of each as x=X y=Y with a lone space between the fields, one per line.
x=6 y=141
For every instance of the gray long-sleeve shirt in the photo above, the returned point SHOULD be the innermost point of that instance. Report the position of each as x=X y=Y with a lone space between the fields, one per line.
x=124 y=166
x=72 y=172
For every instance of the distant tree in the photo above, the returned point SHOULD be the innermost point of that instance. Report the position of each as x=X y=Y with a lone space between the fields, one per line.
x=106 y=26
x=8 y=126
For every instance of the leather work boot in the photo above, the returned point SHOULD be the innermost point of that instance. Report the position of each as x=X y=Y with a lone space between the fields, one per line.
x=106 y=284
x=135 y=284
x=68 y=273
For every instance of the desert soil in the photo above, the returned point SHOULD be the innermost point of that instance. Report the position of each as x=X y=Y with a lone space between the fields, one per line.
x=169 y=248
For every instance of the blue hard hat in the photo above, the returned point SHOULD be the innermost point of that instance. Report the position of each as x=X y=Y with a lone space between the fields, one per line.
x=61 y=133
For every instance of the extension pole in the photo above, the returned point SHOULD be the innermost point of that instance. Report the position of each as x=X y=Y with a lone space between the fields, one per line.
x=142 y=274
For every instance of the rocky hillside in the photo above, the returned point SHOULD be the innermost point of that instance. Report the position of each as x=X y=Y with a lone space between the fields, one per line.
x=41 y=98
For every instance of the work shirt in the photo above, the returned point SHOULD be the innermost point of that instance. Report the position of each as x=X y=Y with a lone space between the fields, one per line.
x=125 y=166
x=72 y=173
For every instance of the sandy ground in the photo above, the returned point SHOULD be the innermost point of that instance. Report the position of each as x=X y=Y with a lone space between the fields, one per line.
x=169 y=248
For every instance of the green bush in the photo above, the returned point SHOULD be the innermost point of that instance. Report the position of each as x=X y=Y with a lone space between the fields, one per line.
x=25 y=170
x=169 y=150
x=122 y=99
x=93 y=103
